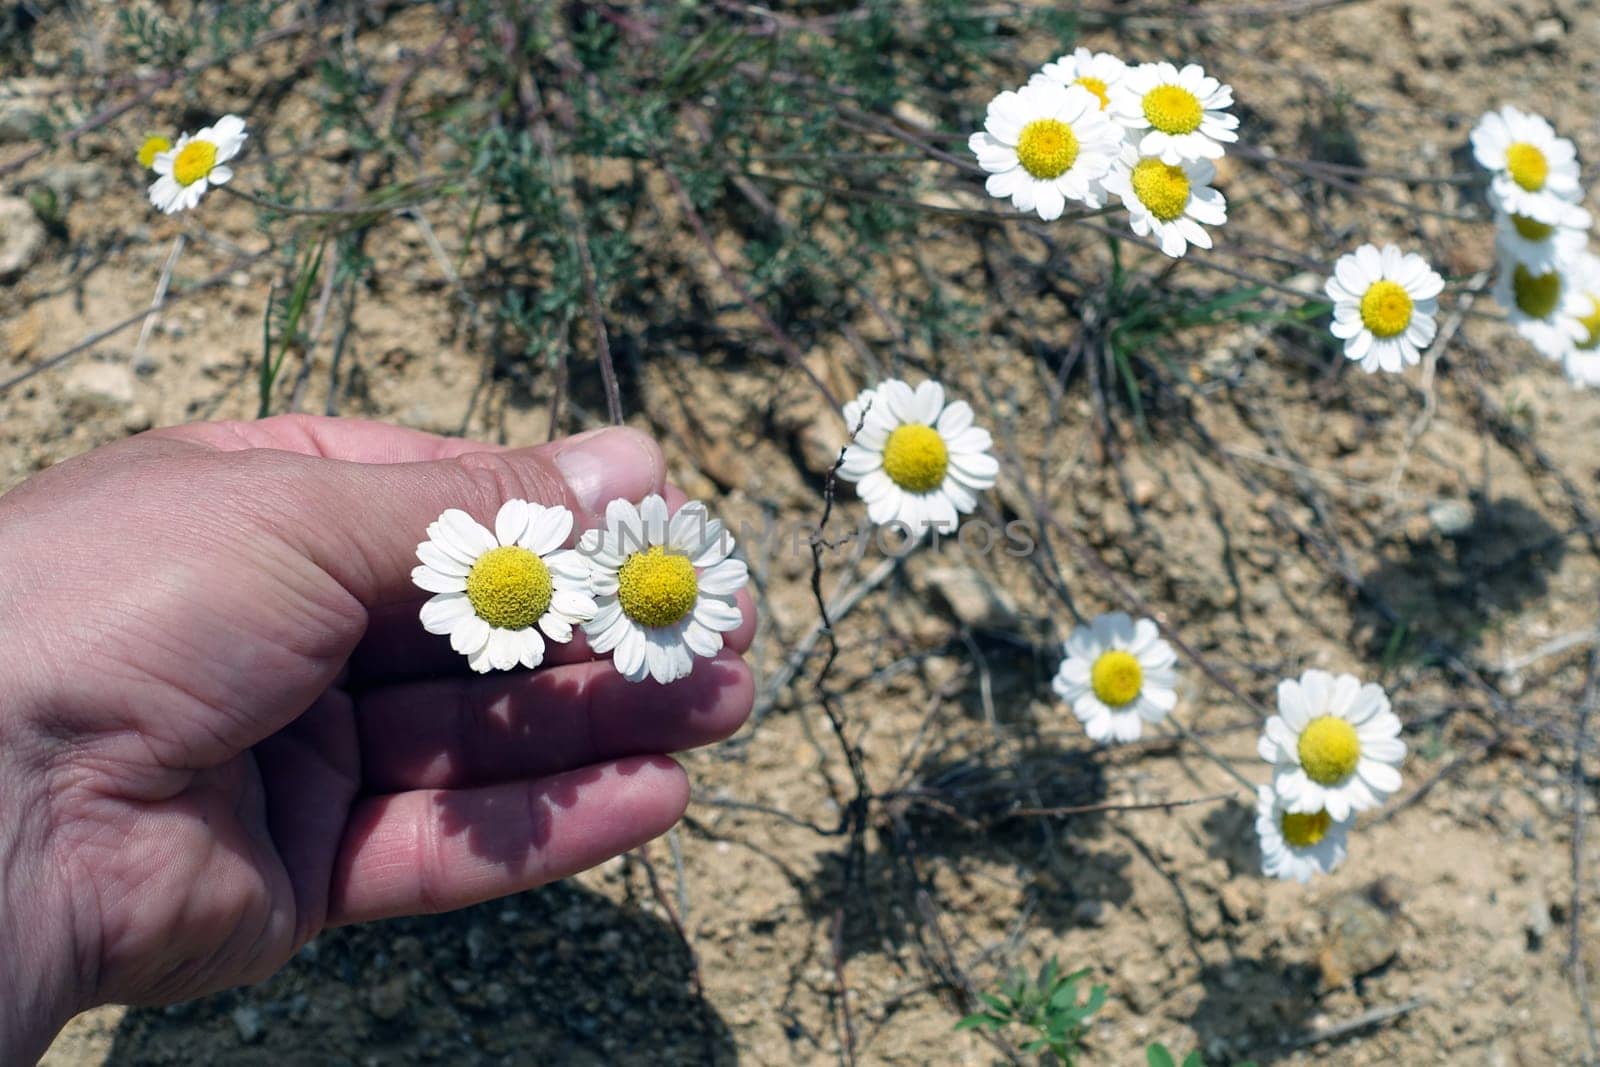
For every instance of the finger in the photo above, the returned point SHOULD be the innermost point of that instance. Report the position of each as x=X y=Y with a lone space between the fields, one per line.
x=448 y=734
x=434 y=850
x=361 y=522
x=355 y=440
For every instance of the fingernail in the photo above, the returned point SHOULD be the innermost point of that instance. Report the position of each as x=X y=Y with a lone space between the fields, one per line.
x=601 y=465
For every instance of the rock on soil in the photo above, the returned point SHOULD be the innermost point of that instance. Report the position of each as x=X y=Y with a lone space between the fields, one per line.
x=22 y=237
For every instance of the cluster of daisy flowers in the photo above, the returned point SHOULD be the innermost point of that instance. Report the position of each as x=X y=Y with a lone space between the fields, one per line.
x=1089 y=126
x=652 y=590
x=1546 y=278
x=1334 y=747
x=185 y=170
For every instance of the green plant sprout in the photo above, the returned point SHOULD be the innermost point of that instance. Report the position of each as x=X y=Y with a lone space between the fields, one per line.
x=1048 y=1005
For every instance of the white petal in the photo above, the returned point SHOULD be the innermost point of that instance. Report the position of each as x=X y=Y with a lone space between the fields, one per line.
x=530 y=647
x=443 y=612
x=511 y=521
x=470 y=635
x=434 y=582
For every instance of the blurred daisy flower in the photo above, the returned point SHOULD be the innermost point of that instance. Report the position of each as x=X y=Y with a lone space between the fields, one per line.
x=1542 y=245
x=1334 y=745
x=152 y=147
x=1174 y=114
x=664 y=587
x=1117 y=675
x=1383 y=306
x=1045 y=144
x=1534 y=172
x=916 y=459
x=1543 y=307
x=197 y=162
x=1583 y=361
x=1295 y=845
x=494 y=592
x=1098 y=72
x=1168 y=201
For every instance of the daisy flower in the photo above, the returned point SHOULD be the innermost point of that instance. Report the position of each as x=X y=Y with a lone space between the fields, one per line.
x=1174 y=114
x=1333 y=745
x=195 y=163
x=1540 y=246
x=1295 y=845
x=1534 y=171
x=1098 y=72
x=1045 y=144
x=1542 y=306
x=1117 y=675
x=1168 y=201
x=915 y=459
x=1383 y=306
x=664 y=588
x=1583 y=360
x=495 y=591
x=152 y=147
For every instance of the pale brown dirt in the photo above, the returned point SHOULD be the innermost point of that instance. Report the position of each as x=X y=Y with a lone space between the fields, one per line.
x=1466 y=889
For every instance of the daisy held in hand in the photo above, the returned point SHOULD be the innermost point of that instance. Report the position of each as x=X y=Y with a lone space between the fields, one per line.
x=1045 y=144
x=197 y=162
x=1334 y=745
x=496 y=591
x=1118 y=675
x=1297 y=845
x=1174 y=115
x=664 y=588
x=1168 y=201
x=1383 y=306
x=916 y=460
x=1535 y=173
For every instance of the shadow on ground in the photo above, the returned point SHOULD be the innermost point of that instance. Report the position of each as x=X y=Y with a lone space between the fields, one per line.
x=1496 y=556
x=558 y=975
x=996 y=807
x=1254 y=1008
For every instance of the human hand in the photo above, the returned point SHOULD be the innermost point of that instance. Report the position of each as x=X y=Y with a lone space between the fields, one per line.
x=222 y=727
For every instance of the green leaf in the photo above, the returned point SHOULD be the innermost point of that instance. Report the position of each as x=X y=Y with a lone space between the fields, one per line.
x=996 y=1003
x=1158 y=1056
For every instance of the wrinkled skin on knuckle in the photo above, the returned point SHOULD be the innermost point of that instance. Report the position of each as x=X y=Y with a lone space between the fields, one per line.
x=496 y=477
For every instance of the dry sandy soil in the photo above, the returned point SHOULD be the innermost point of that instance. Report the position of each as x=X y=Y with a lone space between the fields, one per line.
x=1281 y=516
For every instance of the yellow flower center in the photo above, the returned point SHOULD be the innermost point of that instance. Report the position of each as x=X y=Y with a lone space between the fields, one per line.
x=1047 y=148
x=1173 y=109
x=1162 y=188
x=1386 y=308
x=1591 y=323
x=1537 y=294
x=1329 y=750
x=915 y=458
x=1527 y=166
x=1531 y=229
x=509 y=587
x=194 y=162
x=1096 y=86
x=1303 y=831
x=1116 y=678
x=656 y=587
x=153 y=146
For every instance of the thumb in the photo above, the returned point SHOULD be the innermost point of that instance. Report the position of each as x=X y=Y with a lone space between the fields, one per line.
x=361 y=522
